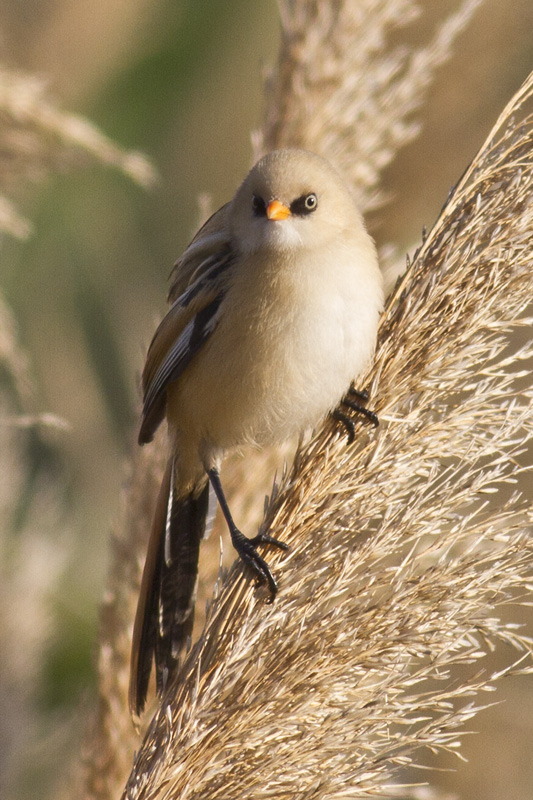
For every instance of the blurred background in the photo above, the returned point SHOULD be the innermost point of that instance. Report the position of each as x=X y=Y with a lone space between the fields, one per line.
x=181 y=81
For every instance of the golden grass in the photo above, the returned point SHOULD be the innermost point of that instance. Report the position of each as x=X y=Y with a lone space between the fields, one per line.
x=399 y=566
x=348 y=87
x=406 y=546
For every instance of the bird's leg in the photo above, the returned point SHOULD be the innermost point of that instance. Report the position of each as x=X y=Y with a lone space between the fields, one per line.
x=245 y=547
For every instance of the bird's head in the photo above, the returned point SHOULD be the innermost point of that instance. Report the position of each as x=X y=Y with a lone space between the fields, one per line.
x=291 y=199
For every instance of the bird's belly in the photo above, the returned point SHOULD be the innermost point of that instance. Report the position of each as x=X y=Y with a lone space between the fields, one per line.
x=260 y=380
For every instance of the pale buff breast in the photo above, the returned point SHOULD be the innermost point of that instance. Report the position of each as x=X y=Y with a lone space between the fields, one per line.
x=274 y=367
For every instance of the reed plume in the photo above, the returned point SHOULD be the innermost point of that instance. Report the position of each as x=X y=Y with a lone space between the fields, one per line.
x=399 y=566
x=345 y=88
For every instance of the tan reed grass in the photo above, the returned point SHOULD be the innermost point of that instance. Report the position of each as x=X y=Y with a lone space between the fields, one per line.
x=400 y=566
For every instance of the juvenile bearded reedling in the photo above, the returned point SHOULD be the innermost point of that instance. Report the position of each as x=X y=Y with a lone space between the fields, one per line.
x=274 y=311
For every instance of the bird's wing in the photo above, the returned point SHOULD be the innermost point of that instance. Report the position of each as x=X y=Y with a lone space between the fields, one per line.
x=192 y=317
x=212 y=238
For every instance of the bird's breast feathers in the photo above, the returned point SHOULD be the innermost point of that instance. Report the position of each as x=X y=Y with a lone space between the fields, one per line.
x=288 y=342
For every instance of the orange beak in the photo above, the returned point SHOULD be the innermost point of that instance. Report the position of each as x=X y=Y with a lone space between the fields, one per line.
x=277 y=211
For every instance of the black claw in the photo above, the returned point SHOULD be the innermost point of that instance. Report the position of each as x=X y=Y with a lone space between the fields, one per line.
x=348 y=423
x=366 y=412
x=265 y=538
x=362 y=394
x=247 y=551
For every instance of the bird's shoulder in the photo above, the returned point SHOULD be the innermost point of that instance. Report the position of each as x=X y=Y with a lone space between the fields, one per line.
x=211 y=243
x=200 y=279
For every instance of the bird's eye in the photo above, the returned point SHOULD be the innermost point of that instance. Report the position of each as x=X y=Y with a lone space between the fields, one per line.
x=258 y=206
x=304 y=204
x=310 y=202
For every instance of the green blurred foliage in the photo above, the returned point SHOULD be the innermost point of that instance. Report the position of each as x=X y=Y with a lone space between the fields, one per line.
x=67 y=661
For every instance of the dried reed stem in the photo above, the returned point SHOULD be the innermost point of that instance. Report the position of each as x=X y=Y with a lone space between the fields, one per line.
x=36 y=139
x=343 y=90
x=399 y=566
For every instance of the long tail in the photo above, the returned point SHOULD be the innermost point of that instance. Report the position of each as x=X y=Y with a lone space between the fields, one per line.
x=165 y=612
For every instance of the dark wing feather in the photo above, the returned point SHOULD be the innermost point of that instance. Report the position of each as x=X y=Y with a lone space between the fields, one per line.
x=146 y=617
x=211 y=239
x=178 y=579
x=177 y=359
x=189 y=322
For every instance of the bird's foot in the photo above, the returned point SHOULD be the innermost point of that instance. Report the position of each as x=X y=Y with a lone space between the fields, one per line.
x=354 y=405
x=247 y=550
x=349 y=424
x=366 y=412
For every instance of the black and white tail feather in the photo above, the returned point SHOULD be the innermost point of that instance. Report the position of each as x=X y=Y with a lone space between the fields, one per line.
x=165 y=614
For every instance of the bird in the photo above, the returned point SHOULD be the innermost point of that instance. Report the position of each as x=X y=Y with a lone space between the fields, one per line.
x=274 y=310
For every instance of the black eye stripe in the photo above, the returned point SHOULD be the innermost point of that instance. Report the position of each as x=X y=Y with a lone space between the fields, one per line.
x=258 y=206
x=305 y=204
